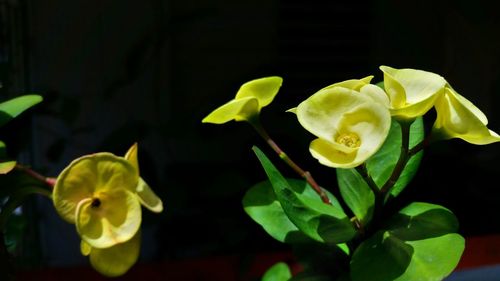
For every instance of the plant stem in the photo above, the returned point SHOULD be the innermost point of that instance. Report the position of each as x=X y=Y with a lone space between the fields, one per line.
x=305 y=174
x=419 y=146
x=403 y=159
x=46 y=180
x=363 y=171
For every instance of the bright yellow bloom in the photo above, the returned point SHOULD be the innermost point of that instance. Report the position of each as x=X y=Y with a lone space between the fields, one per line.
x=457 y=117
x=411 y=92
x=102 y=193
x=249 y=100
x=350 y=119
x=97 y=193
x=115 y=260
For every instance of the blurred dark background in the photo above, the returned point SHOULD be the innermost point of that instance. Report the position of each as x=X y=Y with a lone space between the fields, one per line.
x=115 y=72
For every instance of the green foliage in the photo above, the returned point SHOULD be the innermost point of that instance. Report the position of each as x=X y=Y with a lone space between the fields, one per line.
x=381 y=165
x=5 y=164
x=321 y=222
x=277 y=272
x=418 y=243
x=261 y=205
x=356 y=193
x=13 y=107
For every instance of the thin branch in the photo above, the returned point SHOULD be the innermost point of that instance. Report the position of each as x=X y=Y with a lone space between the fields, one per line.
x=363 y=171
x=305 y=174
x=46 y=180
x=403 y=159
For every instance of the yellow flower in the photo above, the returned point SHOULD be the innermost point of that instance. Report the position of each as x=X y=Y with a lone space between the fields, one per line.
x=249 y=100
x=115 y=260
x=350 y=119
x=411 y=92
x=97 y=193
x=457 y=117
x=102 y=193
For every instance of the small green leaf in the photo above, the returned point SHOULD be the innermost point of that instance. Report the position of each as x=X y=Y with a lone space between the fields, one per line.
x=13 y=107
x=321 y=222
x=381 y=164
x=419 y=243
x=261 y=205
x=356 y=193
x=7 y=166
x=278 y=272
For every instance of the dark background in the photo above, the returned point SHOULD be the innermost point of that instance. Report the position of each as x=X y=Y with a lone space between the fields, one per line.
x=115 y=72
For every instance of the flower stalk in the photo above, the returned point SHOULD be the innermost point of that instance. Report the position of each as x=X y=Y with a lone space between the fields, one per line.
x=255 y=122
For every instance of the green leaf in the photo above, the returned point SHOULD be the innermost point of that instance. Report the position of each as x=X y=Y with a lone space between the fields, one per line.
x=278 y=272
x=13 y=107
x=419 y=243
x=261 y=205
x=5 y=165
x=356 y=193
x=321 y=222
x=381 y=164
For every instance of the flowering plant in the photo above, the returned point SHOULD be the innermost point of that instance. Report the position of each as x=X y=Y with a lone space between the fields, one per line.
x=101 y=194
x=373 y=135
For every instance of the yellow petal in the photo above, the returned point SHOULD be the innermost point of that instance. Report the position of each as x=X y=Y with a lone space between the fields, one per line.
x=131 y=157
x=459 y=118
x=393 y=88
x=263 y=89
x=85 y=248
x=88 y=175
x=376 y=93
x=118 y=259
x=412 y=92
x=351 y=126
x=321 y=112
x=237 y=109
x=114 y=220
x=353 y=84
x=148 y=198
x=328 y=154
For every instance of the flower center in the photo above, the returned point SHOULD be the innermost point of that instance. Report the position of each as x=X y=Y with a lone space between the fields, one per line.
x=95 y=203
x=350 y=140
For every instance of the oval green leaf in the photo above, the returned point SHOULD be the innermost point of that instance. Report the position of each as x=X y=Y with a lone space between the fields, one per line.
x=419 y=243
x=321 y=222
x=277 y=272
x=356 y=193
x=13 y=107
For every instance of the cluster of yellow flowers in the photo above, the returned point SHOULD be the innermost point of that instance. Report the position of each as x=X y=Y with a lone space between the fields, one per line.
x=351 y=119
x=102 y=194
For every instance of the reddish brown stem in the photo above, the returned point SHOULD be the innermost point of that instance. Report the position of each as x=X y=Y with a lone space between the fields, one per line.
x=305 y=174
x=47 y=180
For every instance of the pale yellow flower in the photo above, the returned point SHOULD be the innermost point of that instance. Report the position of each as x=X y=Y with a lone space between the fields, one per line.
x=411 y=92
x=102 y=193
x=457 y=117
x=350 y=119
x=249 y=100
x=97 y=193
